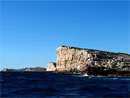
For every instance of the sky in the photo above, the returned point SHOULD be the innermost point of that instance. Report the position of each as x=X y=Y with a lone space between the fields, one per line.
x=32 y=30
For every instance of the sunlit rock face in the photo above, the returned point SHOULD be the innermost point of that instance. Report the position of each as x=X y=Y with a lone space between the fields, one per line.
x=78 y=59
x=51 y=66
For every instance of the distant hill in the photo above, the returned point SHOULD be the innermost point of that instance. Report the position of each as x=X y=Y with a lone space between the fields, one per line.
x=35 y=69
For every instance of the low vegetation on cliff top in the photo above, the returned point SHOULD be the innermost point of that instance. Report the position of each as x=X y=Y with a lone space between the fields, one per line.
x=92 y=50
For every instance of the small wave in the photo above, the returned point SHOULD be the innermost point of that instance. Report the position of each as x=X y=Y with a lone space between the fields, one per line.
x=126 y=79
x=115 y=78
x=29 y=90
x=85 y=75
x=103 y=77
x=58 y=85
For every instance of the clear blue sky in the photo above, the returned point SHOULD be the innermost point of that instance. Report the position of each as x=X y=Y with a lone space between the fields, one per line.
x=32 y=30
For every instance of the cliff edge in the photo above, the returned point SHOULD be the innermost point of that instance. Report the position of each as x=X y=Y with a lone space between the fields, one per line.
x=76 y=60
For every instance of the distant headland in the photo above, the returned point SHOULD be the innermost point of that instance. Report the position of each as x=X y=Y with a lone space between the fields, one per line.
x=86 y=61
x=35 y=69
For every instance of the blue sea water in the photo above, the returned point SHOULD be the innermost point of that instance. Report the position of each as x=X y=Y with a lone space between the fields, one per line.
x=52 y=85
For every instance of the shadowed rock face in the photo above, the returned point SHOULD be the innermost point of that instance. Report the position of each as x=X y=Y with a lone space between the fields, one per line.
x=79 y=60
x=51 y=66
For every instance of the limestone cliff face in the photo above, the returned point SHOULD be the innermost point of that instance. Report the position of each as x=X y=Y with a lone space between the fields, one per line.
x=77 y=59
x=51 y=66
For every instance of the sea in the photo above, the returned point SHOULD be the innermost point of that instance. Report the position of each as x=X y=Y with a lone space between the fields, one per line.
x=53 y=85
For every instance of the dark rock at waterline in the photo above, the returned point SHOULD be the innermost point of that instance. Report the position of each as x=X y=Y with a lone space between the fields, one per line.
x=96 y=71
x=106 y=71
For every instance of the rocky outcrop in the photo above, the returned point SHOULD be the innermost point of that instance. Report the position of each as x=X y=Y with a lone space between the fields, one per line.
x=51 y=66
x=72 y=59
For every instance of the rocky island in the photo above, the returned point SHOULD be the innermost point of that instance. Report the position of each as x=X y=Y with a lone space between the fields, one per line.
x=90 y=61
x=35 y=69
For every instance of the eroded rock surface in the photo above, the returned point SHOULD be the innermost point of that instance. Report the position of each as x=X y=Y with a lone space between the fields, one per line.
x=78 y=60
x=51 y=66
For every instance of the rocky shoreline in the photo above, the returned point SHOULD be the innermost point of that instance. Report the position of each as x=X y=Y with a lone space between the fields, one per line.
x=73 y=60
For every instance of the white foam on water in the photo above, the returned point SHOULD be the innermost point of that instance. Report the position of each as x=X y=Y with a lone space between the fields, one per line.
x=115 y=78
x=104 y=77
x=126 y=79
x=85 y=75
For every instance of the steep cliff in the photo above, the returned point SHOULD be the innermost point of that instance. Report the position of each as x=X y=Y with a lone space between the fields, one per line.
x=78 y=59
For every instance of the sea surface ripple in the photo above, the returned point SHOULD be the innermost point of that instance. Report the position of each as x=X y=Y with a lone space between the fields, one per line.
x=52 y=85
